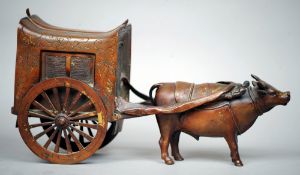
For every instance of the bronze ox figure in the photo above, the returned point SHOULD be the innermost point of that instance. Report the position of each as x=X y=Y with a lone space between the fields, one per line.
x=228 y=114
x=222 y=119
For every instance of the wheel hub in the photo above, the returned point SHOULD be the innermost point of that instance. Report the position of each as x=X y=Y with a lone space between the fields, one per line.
x=62 y=120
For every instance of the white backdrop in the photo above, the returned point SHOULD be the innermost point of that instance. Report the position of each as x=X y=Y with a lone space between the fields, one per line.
x=195 y=41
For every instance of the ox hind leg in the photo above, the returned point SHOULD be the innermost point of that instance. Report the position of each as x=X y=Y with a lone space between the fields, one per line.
x=166 y=132
x=174 y=145
x=232 y=143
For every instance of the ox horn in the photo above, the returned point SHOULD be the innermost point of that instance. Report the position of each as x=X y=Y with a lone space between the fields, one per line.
x=259 y=82
x=255 y=77
x=28 y=12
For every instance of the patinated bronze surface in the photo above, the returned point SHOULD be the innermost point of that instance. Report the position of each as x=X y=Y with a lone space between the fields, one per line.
x=69 y=74
x=223 y=109
x=72 y=94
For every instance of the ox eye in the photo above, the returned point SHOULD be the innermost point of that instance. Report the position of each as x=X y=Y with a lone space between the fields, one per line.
x=273 y=94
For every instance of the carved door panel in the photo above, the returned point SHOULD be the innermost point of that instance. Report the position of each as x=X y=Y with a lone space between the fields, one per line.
x=74 y=65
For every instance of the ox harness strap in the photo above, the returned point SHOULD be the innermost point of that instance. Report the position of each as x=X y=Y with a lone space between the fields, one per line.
x=256 y=106
x=183 y=91
x=234 y=118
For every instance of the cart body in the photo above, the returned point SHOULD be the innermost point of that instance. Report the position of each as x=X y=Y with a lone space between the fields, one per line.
x=99 y=59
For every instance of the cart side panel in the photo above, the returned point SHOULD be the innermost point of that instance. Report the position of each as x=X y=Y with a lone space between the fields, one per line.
x=27 y=71
x=123 y=69
x=105 y=75
x=124 y=62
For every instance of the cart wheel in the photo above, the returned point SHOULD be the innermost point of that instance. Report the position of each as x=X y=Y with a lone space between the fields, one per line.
x=64 y=103
x=110 y=135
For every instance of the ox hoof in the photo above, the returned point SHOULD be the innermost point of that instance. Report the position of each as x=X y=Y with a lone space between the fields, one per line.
x=178 y=157
x=169 y=161
x=238 y=163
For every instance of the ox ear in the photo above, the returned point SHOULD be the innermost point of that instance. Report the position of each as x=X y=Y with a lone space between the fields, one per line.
x=258 y=84
x=255 y=77
x=261 y=85
x=254 y=83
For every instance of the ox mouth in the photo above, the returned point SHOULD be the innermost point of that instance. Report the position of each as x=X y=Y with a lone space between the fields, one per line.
x=287 y=101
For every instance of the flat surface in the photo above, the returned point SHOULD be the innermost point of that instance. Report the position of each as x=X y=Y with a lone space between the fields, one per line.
x=194 y=41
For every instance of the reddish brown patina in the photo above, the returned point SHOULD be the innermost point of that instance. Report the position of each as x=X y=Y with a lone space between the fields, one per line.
x=68 y=80
x=72 y=94
x=228 y=115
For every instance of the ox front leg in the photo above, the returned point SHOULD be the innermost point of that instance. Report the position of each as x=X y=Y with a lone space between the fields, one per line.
x=232 y=143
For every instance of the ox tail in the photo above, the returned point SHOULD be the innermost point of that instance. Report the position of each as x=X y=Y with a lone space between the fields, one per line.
x=136 y=92
x=155 y=86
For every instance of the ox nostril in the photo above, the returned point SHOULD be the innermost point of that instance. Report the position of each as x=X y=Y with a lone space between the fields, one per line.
x=288 y=93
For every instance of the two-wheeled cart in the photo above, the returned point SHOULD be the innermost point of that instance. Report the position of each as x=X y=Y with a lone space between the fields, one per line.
x=72 y=89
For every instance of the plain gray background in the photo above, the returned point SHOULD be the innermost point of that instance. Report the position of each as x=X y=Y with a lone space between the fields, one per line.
x=195 y=41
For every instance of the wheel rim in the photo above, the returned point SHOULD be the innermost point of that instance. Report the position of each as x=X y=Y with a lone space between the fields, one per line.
x=110 y=134
x=61 y=105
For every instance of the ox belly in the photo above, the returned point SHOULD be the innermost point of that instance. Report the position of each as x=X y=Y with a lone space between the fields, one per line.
x=208 y=122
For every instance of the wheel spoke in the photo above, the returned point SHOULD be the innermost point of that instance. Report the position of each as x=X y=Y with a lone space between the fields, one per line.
x=56 y=149
x=50 y=139
x=40 y=124
x=65 y=105
x=46 y=97
x=75 y=139
x=39 y=115
x=82 y=133
x=68 y=144
x=43 y=108
x=44 y=132
x=88 y=125
x=74 y=102
x=84 y=115
x=83 y=107
x=56 y=101
x=89 y=129
x=80 y=136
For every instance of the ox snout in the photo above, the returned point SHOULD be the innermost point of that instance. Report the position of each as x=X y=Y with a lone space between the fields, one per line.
x=286 y=96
